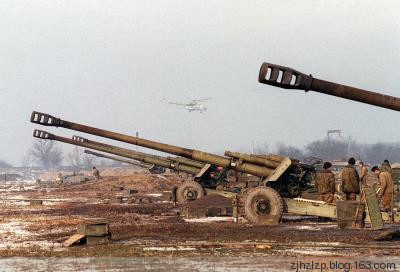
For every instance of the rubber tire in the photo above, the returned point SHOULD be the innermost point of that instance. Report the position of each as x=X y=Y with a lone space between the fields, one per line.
x=268 y=194
x=180 y=193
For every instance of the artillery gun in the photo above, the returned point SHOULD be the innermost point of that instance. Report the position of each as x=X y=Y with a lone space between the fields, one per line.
x=189 y=190
x=270 y=169
x=153 y=169
x=288 y=78
x=115 y=158
x=186 y=161
x=278 y=176
x=123 y=152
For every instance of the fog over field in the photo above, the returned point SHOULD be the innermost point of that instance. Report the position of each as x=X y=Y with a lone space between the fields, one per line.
x=109 y=64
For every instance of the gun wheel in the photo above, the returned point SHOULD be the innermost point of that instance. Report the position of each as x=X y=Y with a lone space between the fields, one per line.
x=263 y=206
x=189 y=191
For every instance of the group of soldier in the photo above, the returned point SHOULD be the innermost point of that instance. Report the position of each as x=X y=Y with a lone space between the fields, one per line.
x=352 y=182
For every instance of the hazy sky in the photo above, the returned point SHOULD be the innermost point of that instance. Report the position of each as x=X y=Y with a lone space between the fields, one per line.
x=109 y=63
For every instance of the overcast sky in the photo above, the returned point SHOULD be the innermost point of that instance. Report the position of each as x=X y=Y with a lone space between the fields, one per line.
x=109 y=63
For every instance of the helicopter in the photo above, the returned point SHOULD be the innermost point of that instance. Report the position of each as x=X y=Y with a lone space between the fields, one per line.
x=192 y=105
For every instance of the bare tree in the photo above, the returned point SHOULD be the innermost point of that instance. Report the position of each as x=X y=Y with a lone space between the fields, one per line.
x=46 y=154
x=392 y=152
x=4 y=164
x=328 y=149
x=356 y=150
x=74 y=158
x=26 y=160
x=289 y=151
x=261 y=149
x=80 y=160
x=338 y=149
x=103 y=163
x=116 y=163
x=88 y=160
x=376 y=153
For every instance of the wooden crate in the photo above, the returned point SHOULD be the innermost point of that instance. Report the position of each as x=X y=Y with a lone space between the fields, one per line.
x=93 y=229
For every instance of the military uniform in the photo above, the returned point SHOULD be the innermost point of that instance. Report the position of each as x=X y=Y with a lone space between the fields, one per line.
x=385 y=167
x=385 y=191
x=363 y=175
x=96 y=174
x=350 y=182
x=325 y=183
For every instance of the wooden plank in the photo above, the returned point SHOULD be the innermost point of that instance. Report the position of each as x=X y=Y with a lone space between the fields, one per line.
x=96 y=240
x=116 y=199
x=93 y=229
x=73 y=239
x=308 y=207
x=195 y=212
x=374 y=212
x=36 y=202
x=222 y=193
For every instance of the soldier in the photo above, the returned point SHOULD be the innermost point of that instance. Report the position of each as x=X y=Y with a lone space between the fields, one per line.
x=363 y=174
x=60 y=178
x=385 y=190
x=350 y=180
x=95 y=173
x=217 y=173
x=385 y=167
x=325 y=183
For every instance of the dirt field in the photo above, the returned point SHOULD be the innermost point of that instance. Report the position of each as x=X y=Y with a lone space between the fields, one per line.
x=157 y=232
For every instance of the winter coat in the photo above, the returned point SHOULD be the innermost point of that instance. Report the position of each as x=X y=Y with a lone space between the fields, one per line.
x=350 y=180
x=385 y=167
x=385 y=190
x=363 y=175
x=325 y=182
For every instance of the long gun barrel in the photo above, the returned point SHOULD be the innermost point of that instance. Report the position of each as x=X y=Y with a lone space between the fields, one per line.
x=79 y=141
x=187 y=161
x=289 y=78
x=257 y=170
x=114 y=158
x=271 y=162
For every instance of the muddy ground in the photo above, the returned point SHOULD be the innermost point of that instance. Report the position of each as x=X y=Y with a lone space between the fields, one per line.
x=156 y=230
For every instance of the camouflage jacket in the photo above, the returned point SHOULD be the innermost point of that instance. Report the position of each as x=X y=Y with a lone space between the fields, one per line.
x=363 y=172
x=325 y=182
x=385 y=167
x=350 y=180
x=385 y=184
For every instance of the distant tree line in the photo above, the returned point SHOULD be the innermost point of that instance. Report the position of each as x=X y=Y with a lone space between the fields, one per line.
x=47 y=155
x=43 y=153
x=4 y=164
x=337 y=149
